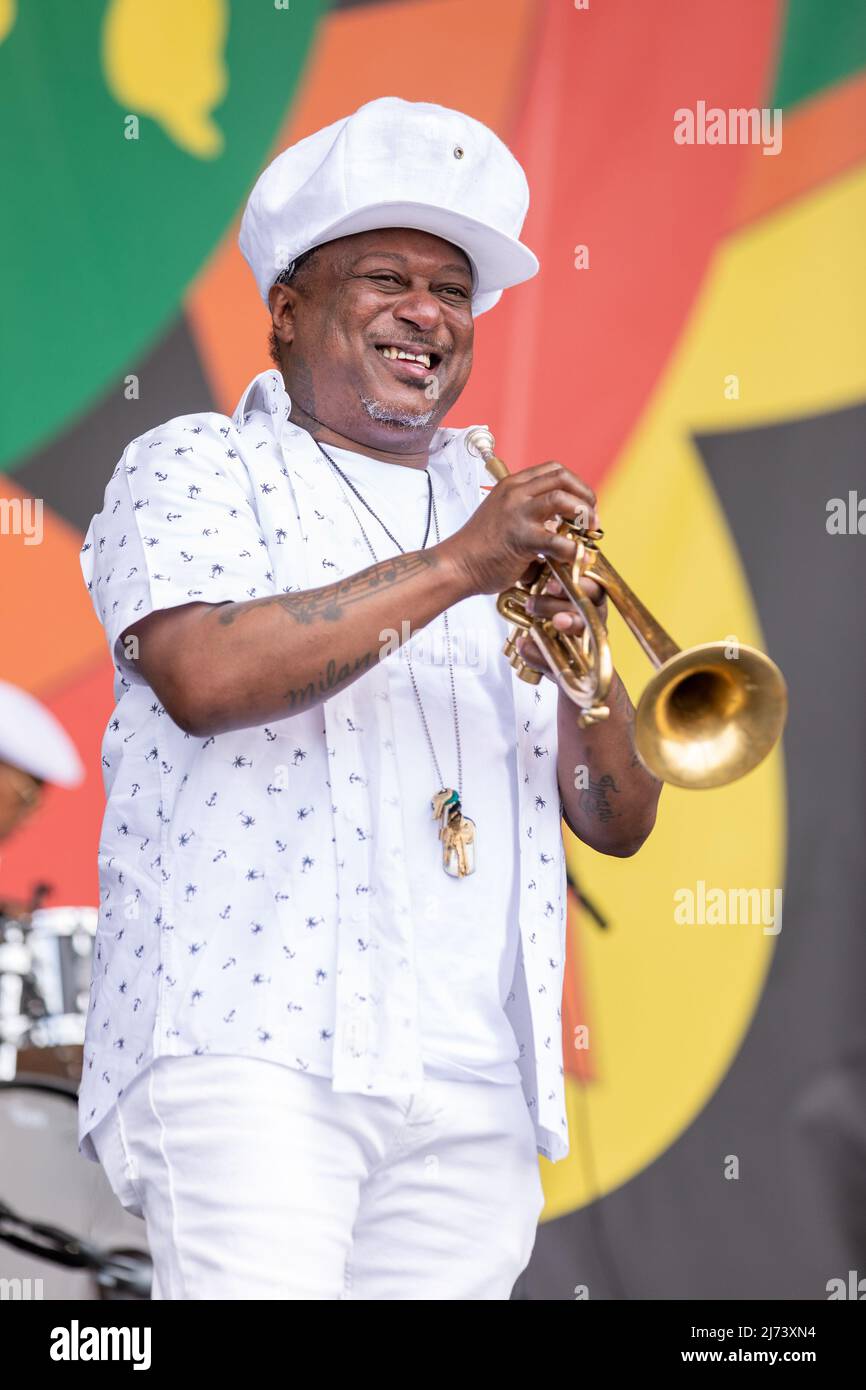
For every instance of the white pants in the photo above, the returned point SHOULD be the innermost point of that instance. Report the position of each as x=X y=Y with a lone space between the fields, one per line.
x=258 y=1181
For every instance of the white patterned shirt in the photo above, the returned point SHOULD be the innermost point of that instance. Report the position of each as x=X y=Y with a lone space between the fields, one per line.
x=241 y=911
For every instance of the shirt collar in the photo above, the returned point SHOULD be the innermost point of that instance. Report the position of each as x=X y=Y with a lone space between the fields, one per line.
x=267 y=392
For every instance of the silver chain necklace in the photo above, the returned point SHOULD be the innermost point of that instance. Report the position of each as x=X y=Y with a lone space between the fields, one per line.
x=456 y=831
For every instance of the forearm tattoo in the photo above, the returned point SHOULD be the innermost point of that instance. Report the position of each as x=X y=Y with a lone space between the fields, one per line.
x=329 y=605
x=595 y=799
x=329 y=682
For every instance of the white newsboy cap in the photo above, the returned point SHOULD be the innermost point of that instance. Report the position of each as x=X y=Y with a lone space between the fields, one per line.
x=394 y=163
x=34 y=741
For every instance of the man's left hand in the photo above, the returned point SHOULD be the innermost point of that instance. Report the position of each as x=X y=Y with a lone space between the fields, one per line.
x=553 y=603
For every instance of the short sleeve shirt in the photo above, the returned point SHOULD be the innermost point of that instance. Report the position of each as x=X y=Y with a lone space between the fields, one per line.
x=241 y=912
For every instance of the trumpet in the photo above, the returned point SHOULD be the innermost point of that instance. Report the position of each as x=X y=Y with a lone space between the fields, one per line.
x=706 y=717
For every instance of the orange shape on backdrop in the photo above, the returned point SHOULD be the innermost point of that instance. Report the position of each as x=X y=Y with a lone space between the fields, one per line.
x=52 y=646
x=44 y=579
x=820 y=140
x=578 y=1059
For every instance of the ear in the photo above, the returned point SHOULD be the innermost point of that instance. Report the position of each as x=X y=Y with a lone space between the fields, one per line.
x=282 y=300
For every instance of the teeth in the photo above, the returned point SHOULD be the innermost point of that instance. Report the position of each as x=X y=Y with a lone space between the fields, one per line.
x=393 y=354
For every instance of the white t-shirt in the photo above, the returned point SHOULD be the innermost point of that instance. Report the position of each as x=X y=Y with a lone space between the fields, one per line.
x=466 y=929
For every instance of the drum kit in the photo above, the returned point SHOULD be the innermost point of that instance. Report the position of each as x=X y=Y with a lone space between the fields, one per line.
x=63 y=1232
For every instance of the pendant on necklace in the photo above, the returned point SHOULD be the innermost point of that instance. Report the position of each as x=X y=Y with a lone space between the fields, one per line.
x=457 y=833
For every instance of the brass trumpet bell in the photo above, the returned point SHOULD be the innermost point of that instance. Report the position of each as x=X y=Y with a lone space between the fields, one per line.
x=708 y=716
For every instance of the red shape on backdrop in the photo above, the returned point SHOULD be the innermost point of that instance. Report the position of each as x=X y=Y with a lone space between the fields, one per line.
x=58 y=846
x=567 y=362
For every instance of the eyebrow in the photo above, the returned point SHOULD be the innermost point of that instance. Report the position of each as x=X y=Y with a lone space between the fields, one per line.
x=396 y=256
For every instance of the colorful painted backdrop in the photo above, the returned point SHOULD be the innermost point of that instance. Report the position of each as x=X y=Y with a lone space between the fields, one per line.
x=694 y=346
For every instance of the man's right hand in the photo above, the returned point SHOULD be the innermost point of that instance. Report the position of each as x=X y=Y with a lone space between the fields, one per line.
x=514 y=524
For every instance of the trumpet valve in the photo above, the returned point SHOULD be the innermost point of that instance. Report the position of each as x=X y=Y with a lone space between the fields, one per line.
x=524 y=672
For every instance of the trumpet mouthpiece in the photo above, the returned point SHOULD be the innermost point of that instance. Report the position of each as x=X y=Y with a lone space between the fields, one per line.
x=480 y=442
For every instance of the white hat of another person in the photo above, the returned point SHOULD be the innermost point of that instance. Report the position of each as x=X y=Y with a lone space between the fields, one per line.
x=34 y=741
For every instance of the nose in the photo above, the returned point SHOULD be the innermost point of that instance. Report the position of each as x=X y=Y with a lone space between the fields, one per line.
x=420 y=307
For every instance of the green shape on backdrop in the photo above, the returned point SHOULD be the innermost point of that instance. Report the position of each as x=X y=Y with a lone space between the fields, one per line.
x=102 y=235
x=824 y=41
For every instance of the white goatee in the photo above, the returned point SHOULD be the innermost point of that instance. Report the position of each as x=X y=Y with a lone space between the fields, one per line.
x=390 y=415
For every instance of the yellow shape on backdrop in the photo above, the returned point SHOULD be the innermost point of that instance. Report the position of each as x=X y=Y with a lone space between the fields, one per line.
x=8 y=15
x=783 y=308
x=165 y=60
x=783 y=311
x=669 y=1003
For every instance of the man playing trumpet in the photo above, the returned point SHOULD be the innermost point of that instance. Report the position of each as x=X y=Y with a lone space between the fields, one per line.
x=322 y=1054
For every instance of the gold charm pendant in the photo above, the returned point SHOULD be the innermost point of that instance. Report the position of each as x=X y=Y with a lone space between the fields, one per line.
x=457 y=833
x=447 y=794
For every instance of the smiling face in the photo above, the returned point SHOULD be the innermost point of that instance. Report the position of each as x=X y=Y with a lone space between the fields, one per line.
x=375 y=338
